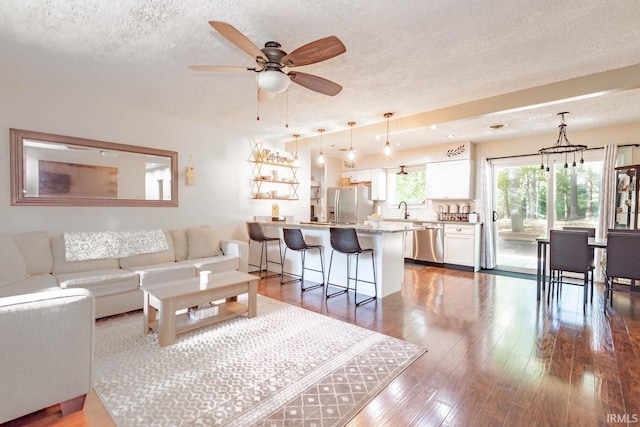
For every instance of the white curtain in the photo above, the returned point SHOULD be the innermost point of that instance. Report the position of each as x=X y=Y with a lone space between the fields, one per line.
x=607 y=197
x=488 y=249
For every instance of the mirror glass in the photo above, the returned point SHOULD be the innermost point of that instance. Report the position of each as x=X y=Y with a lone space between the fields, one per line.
x=58 y=170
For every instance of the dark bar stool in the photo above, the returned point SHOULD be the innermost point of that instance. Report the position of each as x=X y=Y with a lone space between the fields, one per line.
x=257 y=235
x=293 y=240
x=345 y=241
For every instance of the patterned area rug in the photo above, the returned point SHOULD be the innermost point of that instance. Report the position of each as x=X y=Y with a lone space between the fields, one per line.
x=287 y=366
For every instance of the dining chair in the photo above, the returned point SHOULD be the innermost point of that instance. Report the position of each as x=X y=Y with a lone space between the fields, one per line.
x=569 y=251
x=622 y=230
x=591 y=232
x=623 y=261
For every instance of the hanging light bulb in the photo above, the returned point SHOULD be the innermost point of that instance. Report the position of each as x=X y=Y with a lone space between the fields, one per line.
x=387 y=145
x=296 y=162
x=321 y=156
x=351 y=154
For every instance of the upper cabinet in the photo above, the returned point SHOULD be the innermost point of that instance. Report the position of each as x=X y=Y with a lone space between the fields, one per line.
x=378 y=184
x=375 y=178
x=358 y=176
x=450 y=180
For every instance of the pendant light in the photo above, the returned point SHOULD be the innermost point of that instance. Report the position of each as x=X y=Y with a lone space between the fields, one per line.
x=296 y=162
x=562 y=146
x=351 y=155
x=387 y=145
x=321 y=156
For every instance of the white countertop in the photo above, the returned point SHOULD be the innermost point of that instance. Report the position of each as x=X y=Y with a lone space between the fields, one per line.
x=429 y=221
x=361 y=228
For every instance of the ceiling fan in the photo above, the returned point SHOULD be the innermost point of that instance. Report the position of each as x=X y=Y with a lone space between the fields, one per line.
x=272 y=62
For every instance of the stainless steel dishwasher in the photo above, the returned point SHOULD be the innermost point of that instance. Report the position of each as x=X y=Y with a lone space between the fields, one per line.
x=428 y=244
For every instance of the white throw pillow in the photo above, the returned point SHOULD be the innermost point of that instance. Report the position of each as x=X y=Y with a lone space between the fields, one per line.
x=180 y=244
x=36 y=250
x=12 y=266
x=203 y=242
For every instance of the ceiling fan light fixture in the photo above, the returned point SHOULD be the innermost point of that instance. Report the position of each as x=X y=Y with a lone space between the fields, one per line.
x=273 y=81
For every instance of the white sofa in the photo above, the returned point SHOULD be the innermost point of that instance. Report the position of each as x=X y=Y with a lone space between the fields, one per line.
x=47 y=352
x=34 y=261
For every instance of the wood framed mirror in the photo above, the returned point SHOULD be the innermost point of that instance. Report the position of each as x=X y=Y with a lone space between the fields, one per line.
x=57 y=170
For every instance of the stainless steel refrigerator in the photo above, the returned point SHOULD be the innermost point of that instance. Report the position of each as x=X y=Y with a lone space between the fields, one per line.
x=348 y=205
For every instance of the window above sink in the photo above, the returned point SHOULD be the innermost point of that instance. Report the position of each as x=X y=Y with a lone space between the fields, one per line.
x=409 y=188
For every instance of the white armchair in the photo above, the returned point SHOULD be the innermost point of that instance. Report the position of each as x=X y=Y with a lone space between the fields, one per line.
x=46 y=351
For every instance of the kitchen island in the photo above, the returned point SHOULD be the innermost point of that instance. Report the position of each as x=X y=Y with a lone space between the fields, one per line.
x=386 y=239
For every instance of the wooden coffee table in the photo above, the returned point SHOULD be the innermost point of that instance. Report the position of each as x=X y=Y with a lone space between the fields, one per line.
x=161 y=302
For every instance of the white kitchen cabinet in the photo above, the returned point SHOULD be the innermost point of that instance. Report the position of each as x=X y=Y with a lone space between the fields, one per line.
x=375 y=178
x=462 y=245
x=358 y=176
x=408 y=245
x=450 y=180
x=378 y=184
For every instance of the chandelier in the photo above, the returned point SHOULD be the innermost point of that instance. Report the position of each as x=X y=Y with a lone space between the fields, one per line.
x=562 y=146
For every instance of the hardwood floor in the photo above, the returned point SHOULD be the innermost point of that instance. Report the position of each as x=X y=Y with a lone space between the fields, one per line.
x=495 y=357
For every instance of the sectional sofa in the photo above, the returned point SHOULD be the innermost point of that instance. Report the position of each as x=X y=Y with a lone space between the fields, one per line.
x=48 y=307
x=36 y=261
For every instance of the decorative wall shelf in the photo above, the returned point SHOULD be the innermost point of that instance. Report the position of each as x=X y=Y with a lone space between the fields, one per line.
x=270 y=173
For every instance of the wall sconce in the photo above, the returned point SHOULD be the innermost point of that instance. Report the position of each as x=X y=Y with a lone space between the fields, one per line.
x=190 y=174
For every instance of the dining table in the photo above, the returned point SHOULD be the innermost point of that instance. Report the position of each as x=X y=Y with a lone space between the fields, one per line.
x=543 y=248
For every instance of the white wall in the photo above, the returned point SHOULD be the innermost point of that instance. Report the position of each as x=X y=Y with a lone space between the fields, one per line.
x=220 y=197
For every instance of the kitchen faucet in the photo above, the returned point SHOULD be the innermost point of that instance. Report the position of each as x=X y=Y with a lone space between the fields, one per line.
x=406 y=213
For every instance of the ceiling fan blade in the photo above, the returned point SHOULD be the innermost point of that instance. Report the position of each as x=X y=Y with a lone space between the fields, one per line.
x=317 y=51
x=218 y=68
x=315 y=83
x=237 y=38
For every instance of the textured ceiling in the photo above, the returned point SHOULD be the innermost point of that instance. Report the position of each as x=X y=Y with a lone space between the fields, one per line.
x=403 y=57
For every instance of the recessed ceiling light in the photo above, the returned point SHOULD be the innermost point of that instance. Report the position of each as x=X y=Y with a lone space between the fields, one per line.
x=377 y=137
x=451 y=135
x=433 y=127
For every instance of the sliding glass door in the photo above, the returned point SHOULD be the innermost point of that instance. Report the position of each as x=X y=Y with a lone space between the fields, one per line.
x=529 y=201
x=521 y=194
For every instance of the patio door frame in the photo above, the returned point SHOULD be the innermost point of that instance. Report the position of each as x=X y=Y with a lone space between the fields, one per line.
x=516 y=162
x=589 y=156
